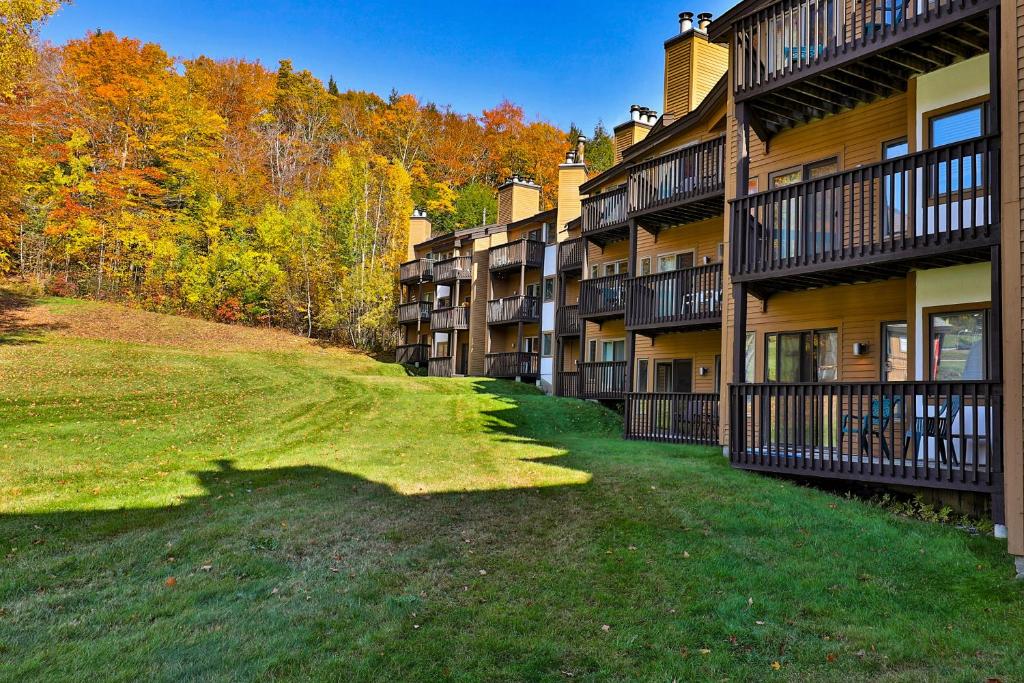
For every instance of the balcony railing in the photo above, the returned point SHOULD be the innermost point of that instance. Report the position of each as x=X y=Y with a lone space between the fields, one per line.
x=800 y=60
x=604 y=380
x=569 y=384
x=680 y=298
x=682 y=176
x=513 y=309
x=567 y=320
x=414 y=272
x=603 y=297
x=513 y=364
x=933 y=434
x=570 y=255
x=605 y=211
x=794 y=36
x=414 y=312
x=450 y=270
x=441 y=366
x=924 y=205
x=454 y=318
x=676 y=418
x=524 y=252
x=407 y=354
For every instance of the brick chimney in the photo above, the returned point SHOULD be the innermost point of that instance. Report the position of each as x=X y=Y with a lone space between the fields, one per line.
x=693 y=66
x=627 y=134
x=518 y=198
x=419 y=231
x=571 y=175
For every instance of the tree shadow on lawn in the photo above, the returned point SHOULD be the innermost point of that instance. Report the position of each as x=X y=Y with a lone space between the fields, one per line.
x=22 y=321
x=336 y=575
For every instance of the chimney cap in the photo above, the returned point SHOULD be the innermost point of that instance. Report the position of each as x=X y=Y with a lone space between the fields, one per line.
x=685 y=22
x=419 y=213
x=703 y=21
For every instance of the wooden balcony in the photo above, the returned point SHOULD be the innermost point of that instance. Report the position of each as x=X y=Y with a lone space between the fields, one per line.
x=570 y=255
x=514 y=255
x=513 y=309
x=441 y=366
x=604 y=216
x=453 y=269
x=930 y=434
x=512 y=365
x=414 y=312
x=680 y=187
x=415 y=272
x=687 y=299
x=569 y=384
x=673 y=418
x=797 y=60
x=603 y=297
x=933 y=208
x=409 y=354
x=603 y=381
x=567 y=321
x=454 y=318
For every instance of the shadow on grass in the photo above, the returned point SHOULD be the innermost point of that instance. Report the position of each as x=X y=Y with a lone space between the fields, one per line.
x=17 y=326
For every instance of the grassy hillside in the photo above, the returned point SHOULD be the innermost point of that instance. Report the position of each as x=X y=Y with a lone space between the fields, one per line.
x=184 y=500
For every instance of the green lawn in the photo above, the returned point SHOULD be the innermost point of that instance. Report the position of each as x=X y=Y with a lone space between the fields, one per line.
x=222 y=504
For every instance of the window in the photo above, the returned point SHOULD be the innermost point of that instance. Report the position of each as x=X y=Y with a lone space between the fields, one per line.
x=550 y=234
x=593 y=350
x=752 y=185
x=533 y=289
x=663 y=376
x=549 y=289
x=894 y=209
x=946 y=129
x=595 y=272
x=718 y=373
x=802 y=356
x=530 y=344
x=641 y=375
x=441 y=348
x=613 y=350
x=750 y=357
x=958 y=345
x=645 y=265
x=535 y=235
x=894 y=352
x=615 y=268
x=546 y=345
x=670 y=262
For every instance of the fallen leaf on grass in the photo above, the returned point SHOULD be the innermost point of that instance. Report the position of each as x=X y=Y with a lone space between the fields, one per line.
x=776 y=666
x=170 y=582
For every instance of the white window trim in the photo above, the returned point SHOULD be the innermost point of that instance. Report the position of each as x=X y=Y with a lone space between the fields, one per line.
x=693 y=252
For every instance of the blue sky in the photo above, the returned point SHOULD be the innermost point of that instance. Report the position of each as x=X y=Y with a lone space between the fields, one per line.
x=564 y=60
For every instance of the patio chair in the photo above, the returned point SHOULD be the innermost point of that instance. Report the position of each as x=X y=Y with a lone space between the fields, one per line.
x=875 y=424
x=934 y=427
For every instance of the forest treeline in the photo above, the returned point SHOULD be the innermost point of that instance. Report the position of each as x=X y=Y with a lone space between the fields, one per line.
x=226 y=190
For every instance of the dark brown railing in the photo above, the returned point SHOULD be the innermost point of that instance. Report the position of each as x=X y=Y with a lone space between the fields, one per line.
x=939 y=199
x=690 y=173
x=567 y=320
x=676 y=418
x=407 y=354
x=603 y=380
x=513 y=364
x=939 y=434
x=569 y=384
x=454 y=318
x=441 y=366
x=570 y=255
x=515 y=254
x=603 y=296
x=690 y=295
x=606 y=210
x=513 y=309
x=793 y=36
x=457 y=268
x=414 y=312
x=420 y=270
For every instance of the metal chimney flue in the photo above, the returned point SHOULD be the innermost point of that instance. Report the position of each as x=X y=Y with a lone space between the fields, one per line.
x=703 y=21
x=685 y=22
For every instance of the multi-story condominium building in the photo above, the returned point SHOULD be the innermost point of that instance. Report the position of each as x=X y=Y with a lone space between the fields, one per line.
x=810 y=258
